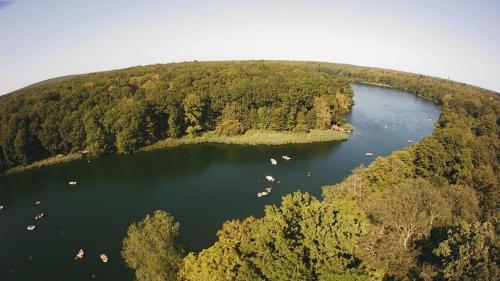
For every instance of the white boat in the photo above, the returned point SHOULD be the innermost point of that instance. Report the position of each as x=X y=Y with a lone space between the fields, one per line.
x=263 y=193
x=80 y=254
x=1 y=207
x=270 y=178
x=72 y=183
x=268 y=190
x=37 y=203
x=39 y=216
x=409 y=141
x=385 y=126
x=369 y=154
x=286 y=157
x=30 y=227
x=273 y=161
x=104 y=258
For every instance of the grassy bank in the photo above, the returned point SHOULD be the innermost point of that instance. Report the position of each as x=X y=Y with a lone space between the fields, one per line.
x=59 y=159
x=254 y=137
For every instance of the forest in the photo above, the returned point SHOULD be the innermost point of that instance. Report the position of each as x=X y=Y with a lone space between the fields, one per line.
x=124 y=110
x=429 y=212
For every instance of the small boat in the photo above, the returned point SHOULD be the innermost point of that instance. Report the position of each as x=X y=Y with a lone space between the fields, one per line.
x=72 y=183
x=37 y=203
x=385 y=126
x=273 y=161
x=1 y=207
x=369 y=154
x=80 y=254
x=39 y=216
x=286 y=157
x=309 y=174
x=260 y=194
x=268 y=190
x=30 y=227
x=409 y=141
x=104 y=258
x=270 y=178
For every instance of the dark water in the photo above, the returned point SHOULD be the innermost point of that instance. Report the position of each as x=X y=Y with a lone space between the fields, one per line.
x=201 y=185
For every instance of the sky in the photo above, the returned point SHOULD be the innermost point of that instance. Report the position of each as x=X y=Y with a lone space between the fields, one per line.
x=41 y=39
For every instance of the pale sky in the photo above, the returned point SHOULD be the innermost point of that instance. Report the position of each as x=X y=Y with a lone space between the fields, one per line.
x=42 y=39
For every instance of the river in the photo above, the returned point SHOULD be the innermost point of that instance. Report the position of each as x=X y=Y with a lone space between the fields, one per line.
x=201 y=185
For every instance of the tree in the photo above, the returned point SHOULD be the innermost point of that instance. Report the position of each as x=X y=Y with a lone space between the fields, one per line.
x=324 y=111
x=152 y=249
x=470 y=253
x=193 y=107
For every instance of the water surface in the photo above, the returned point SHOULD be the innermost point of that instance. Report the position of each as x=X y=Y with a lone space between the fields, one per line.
x=201 y=185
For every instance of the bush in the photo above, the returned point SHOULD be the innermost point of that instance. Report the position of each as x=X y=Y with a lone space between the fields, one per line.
x=230 y=128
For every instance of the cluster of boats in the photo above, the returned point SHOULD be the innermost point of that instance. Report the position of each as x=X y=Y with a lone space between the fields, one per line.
x=81 y=253
x=271 y=179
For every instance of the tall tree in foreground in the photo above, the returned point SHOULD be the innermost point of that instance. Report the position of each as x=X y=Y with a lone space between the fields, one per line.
x=151 y=248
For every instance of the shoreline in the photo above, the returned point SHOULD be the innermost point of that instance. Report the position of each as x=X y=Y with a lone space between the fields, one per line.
x=251 y=137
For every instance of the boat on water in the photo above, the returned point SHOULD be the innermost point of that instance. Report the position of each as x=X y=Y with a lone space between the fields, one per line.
x=104 y=258
x=369 y=154
x=270 y=178
x=1 y=207
x=409 y=141
x=39 y=216
x=286 y=157
x=268 y=190
x=80 y=254
x=273 y=161
x=37 y=203
x=72 y=183
x=30 y=227
x=263 y=193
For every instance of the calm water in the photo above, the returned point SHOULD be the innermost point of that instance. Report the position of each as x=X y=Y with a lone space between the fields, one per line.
x=201 y=185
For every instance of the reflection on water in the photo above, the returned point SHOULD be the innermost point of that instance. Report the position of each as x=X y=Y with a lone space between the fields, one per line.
x=201 y=185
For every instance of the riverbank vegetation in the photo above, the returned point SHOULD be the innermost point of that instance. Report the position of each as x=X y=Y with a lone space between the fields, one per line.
x=125 y=110
x=51 y=161
x=429 y=212
x=254 y=137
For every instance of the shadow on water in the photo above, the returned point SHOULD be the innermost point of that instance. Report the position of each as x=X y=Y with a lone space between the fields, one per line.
x=201 y=185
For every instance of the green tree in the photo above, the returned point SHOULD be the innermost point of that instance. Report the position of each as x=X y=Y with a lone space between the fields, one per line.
x=193 y=106
x=470 y=253
x=152 y=249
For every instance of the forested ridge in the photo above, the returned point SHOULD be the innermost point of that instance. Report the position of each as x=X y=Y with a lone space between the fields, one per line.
x=125 y=110
x=429 y=212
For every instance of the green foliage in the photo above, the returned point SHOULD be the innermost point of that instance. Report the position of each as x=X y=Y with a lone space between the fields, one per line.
x=303 y=239
x=470 y=253
x=125 y=110
x=230 y=128
x=152 y=249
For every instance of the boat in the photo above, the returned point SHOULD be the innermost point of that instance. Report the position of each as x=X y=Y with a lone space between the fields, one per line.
x=270 y=178
x=104 y=258
x=72 y=183
x=263 y=193
x=30 y=227
x=286 y=157
x=80 y=254
x=409 y=141
x=369 y=154
x=385 y=126
x=273 y=161
x=1 y=207
x=37 y=203
x=268 y=190
x=39 y=216
x=309 y=174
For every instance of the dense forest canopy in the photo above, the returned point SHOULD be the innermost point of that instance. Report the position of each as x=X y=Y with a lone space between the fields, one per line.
x=124 y=110
x=429 y=212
